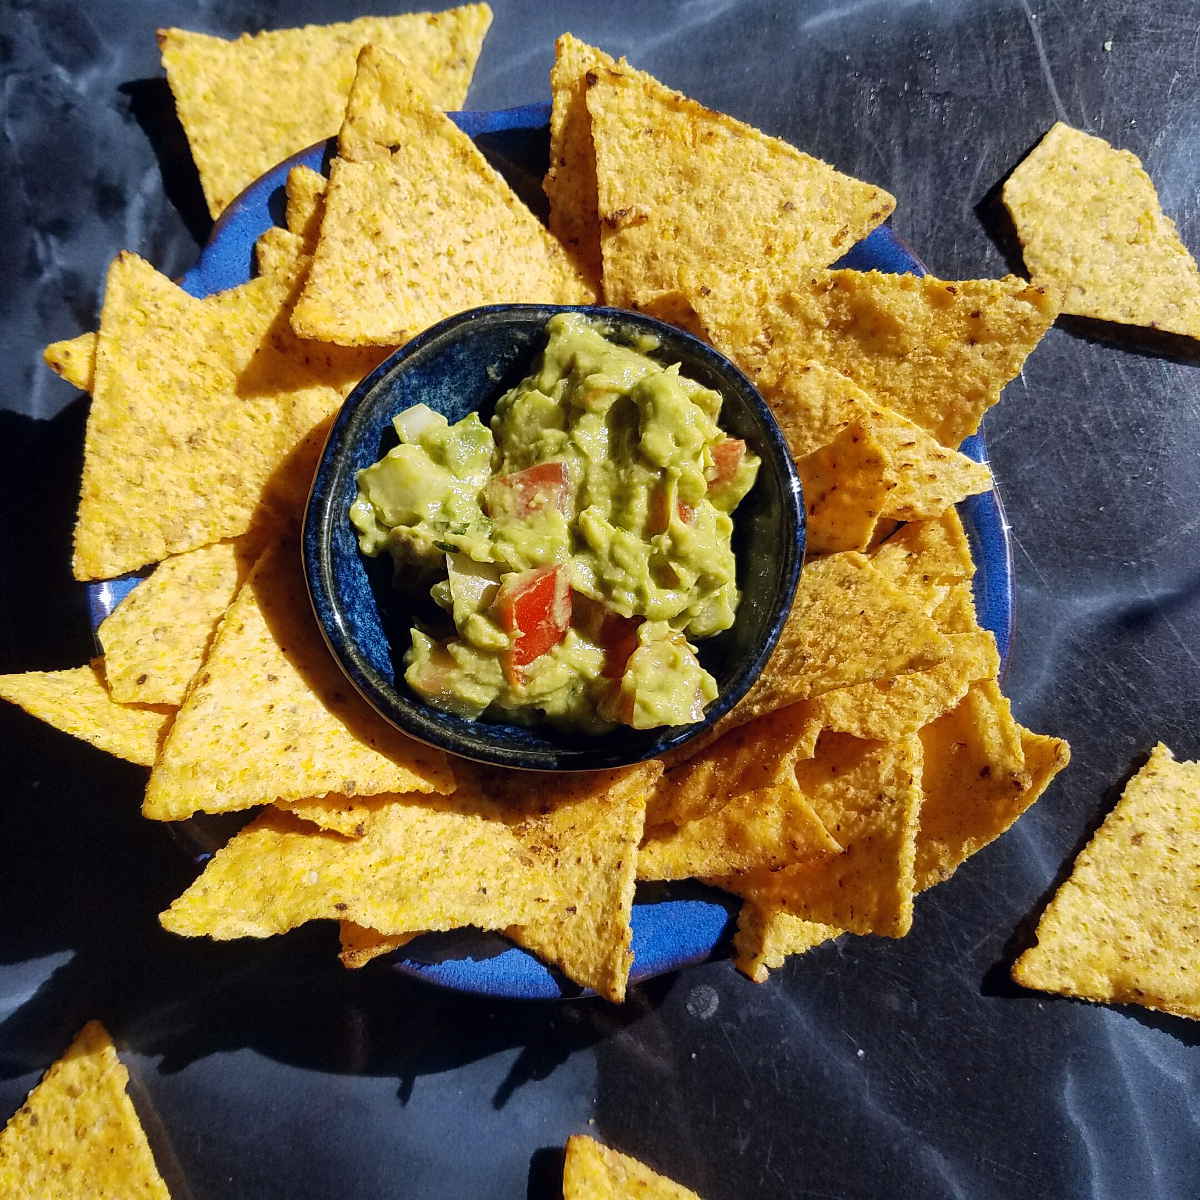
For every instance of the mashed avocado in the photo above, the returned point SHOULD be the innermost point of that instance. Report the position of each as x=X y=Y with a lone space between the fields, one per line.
x=580 y=545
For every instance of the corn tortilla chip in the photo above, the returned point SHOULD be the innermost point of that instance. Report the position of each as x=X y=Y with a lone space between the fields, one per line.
x=276 y=249
x=936 y=352
x=74 y=359
x=767 y=935
x=416 y=867
x=757 y=755
x=1092 y=229
x=594 y=1172
x=584 y=830
x=249 y=103
x=868 y=796
x=156 y=638
x=305 y=190
x=78 y=702
x=77 y=1136
x=822 y=647
x=417 y=225
x=271 y=717
x=846 y=485
x=926 y=560
x=347 y=815
x=672 y=195
x=1123 y=928
x=360 y=945
x=762 y=830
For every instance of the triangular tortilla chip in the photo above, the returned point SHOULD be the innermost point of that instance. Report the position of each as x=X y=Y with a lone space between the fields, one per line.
x=767 y=935
x=360 y=945
x=271 y=717
x=846 y=486
x=1125 y=926
x=74 y=359
x=1092 y=229
x=594 y=1172
x=156 y=638
x=77 y=1136
x=681 y=187
x=417 y=225
x=936 y=352
x=78 y=702
x=416 y=867
x=305 y=190
x=763 y=830
x=207 y=416
x=868 y=796
x=348 y=815
x=822 y=646
x=584 y=830
x=249 y=103
x=926 y=560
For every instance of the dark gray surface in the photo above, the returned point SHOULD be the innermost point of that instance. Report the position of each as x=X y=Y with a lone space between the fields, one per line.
x=868 y=1068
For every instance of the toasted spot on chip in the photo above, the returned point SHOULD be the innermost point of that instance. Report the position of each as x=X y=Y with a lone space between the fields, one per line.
x=762 y=830
x=1092 y=229
x=417 y=224
x=305 y=191
x=360 y=945
x=271 y=717
x=249 y=103
x=416 y=867
x=78 y=702
x=77 y=1136
x=74 y=359
x=767 y=935
x=674 y=192
x=156 y=638
x=1124 y=928
x=594 y=1172
x=822 y=646
x=583 y=830
x=936 y=352
x=846 y=485
x=868 y=796
x=754 y=756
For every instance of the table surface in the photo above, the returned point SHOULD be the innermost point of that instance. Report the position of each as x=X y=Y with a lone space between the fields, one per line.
x=867 y=1067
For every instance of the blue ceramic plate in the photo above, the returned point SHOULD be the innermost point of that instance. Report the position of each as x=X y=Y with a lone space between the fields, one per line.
x=674 y=925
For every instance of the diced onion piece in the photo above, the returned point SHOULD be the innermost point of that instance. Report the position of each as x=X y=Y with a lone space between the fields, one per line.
x=414 y=421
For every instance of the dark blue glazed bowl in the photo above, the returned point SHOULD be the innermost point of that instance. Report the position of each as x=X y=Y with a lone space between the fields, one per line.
x=463 y=365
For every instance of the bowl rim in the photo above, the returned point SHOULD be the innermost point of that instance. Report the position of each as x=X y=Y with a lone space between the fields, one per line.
x=426 y=723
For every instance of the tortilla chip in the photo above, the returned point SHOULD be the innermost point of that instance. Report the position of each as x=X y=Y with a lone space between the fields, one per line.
x=417 y=225
x=156 y=638
x=1092 y=229
x=1123 y=928
x=276 y=249
x=360 y=945
x=78 y=702
x=305 y=191
x=416 y=867
x=347 y=815
x=757 y=755
x=271 y=717
x=767 y=935
x=674 y=193
x=594 y=1172
x=938 y=353
x=584 y=830
x=249 y=103
x=926 y=560
x=74 y=359
x=955 y=611
x=77 y=1136
x=846 y=485
x=762 y=830
x=868 y=796
x=982 y=771
x=822 y=646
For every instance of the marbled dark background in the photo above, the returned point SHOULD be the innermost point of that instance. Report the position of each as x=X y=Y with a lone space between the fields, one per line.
x=868 y=1068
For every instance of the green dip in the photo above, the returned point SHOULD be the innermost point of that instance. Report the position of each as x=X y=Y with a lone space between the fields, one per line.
x=580 y=546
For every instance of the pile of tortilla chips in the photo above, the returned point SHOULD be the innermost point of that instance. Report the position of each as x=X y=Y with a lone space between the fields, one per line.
x=873 y=755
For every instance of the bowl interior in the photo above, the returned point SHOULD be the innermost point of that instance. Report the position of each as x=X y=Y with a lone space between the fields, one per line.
x=465 y=364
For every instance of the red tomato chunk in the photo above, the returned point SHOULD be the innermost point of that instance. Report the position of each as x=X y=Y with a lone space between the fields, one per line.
x=727 y=459
x=534 y=608
x=545 y=485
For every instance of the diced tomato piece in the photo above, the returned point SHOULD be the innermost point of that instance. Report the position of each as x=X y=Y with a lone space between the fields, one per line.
x=619 y=639
x=659 y=510
x=545 y=485
x=727 y=458
x=534 y=608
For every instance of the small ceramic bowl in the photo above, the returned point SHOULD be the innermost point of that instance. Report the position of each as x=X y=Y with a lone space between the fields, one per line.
x=463 y=365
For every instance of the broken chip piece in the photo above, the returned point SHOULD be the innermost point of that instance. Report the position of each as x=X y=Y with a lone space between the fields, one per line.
x=595 y=1172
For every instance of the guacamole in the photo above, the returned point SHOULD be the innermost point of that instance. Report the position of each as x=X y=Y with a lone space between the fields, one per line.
x=579 y=546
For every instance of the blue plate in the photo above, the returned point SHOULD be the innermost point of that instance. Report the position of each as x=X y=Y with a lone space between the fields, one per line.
x=673 y=925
